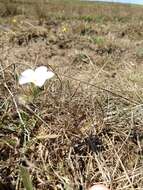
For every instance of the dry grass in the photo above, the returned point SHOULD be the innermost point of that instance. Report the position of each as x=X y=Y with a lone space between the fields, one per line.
x=86 y=125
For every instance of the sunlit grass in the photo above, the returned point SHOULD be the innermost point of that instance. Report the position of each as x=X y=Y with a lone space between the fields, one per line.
x=83 y=126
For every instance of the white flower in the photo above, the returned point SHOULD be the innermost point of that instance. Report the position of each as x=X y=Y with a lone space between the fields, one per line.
x=38 y=77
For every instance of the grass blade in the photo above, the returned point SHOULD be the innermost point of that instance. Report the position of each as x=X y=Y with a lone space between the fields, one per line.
x=26 y=178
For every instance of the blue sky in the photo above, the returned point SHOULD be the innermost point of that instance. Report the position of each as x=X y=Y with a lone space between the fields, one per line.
x=140 y=2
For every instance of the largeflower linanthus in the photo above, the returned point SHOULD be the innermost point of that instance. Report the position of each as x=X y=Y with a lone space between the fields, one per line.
x=37 y=76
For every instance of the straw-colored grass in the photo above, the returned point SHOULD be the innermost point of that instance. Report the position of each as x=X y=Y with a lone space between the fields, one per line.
x=86 y=125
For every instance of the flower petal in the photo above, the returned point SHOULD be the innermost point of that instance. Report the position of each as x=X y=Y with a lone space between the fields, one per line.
x=40 y=79
x=41 y=70
x=41 y=75
x=39 y=82
x=26 y=76
x=49 y=74
x=98 y=187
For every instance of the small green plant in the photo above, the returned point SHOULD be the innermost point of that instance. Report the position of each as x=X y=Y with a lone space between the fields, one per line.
x=100 y=18
x=139 y=53
x=26 y=178
x=97 y=40
x=87 y=18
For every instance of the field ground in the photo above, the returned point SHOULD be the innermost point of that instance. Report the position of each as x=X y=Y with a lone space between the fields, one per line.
x=86 y=126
